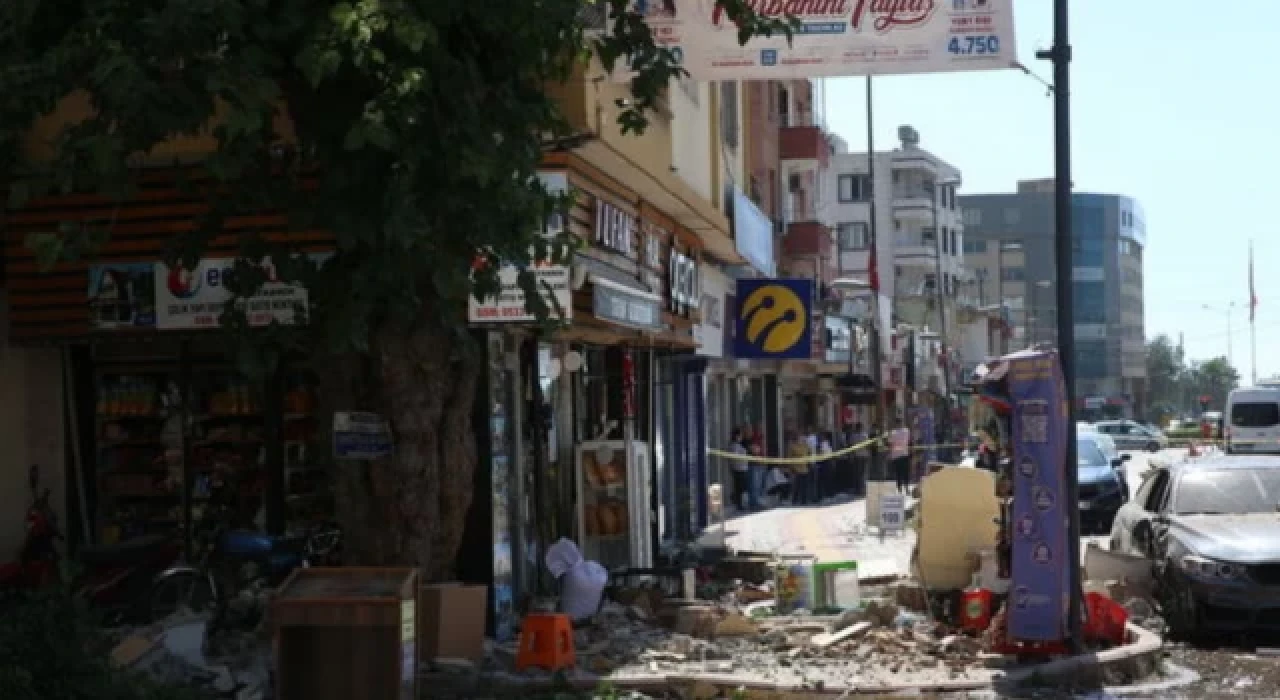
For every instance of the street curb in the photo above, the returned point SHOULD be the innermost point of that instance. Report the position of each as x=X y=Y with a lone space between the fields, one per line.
x=1137 y=659
x=1181 y=677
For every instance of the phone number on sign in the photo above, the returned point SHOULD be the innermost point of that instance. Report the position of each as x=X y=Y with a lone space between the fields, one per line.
x=980 y=45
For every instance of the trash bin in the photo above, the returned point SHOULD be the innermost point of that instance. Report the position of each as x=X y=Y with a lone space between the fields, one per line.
x=344 y=633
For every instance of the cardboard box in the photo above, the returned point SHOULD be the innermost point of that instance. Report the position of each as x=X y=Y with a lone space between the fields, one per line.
x=451 y=621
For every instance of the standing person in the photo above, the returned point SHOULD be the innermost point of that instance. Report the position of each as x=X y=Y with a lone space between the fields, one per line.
x=739 y=469
x=755 y=470
x=824 y=486
x=860 y=459
x=900 y=455
x=798 y=447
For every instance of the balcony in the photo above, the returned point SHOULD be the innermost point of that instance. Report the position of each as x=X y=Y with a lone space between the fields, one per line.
x=807 y=238
x=913 y=203
x=805 y=235
x=915 y=250
x=801 y=137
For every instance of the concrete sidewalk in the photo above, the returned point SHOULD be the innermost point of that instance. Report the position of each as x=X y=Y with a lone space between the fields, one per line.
x=832 y=532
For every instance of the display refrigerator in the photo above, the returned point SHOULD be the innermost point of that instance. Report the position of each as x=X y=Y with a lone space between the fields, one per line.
x=614 y=490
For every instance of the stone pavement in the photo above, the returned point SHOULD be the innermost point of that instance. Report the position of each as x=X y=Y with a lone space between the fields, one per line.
x=835 y=531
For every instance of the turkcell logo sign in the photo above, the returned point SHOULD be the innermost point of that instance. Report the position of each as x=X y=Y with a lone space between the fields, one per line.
x=773 y=319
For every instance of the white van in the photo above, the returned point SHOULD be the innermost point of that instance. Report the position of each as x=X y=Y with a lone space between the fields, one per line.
x=1252 y=420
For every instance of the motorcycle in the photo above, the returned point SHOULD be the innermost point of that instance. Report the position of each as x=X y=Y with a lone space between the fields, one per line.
x=235 y=568
x=37 y=563
x=114 y=578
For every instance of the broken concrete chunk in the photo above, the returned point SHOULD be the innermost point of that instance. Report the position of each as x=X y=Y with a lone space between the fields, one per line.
x=736 y=625
x=827 y=639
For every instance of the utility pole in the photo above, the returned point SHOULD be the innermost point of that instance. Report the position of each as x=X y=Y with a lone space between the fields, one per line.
x=1060 y=55
x=943 y=421
x=873 y=275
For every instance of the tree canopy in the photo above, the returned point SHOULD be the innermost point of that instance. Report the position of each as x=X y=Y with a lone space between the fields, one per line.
x=1175 y=386
x=412 y=130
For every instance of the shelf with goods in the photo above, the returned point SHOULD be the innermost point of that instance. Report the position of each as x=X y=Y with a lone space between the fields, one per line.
x=227 y=444
x=139 y=439
x=613 y=503
x=205 y=427
x=308 y=488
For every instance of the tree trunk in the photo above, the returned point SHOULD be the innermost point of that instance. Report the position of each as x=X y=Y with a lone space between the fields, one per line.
x=411 y=508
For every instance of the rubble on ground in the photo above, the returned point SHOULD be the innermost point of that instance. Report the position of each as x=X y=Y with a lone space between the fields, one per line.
x=882 y=643
x=176 y=652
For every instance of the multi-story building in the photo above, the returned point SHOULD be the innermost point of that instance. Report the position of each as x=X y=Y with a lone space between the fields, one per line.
x=1009 y=246
x=918 y=236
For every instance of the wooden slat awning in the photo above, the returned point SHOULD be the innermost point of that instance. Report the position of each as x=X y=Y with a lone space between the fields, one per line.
x=52 y=305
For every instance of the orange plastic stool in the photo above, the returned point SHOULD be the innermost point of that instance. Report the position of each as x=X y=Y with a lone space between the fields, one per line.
x=546 y=641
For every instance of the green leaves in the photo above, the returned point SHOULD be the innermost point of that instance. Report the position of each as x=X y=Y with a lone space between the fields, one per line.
x=412 y=131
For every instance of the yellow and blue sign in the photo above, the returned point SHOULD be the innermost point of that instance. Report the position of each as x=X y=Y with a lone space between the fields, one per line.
x=773 y=319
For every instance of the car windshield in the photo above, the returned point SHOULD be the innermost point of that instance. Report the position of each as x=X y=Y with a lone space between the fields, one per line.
x=1090 y=455
x=1228 y=492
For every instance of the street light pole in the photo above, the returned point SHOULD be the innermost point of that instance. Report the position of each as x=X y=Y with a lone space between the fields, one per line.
x=1060 y=55
x=876 y=351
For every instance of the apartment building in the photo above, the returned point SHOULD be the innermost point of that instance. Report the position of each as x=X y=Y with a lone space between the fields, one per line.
x=1009 y=246
x=919 y=237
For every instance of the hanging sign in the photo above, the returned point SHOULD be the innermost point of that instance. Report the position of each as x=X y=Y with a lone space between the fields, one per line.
x=359 y=435
x=774 y=319
x=552 y=280
x=838 y=37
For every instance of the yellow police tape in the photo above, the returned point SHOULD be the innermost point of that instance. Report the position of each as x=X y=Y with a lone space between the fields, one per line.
x=809 y=459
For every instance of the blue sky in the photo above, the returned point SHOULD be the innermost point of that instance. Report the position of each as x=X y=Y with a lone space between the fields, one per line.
x=1173 y=103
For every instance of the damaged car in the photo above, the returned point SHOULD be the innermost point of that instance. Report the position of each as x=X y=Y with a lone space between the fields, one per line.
x=1211 y=529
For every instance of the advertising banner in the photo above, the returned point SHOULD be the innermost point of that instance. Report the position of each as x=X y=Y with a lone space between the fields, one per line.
x=553 y=280
x=840 y=37
x=195 y=298
x=774 y=319
x=122 y=295
x=1038 y=598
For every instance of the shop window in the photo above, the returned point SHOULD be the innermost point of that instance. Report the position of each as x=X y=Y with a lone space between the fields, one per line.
x=175 y=424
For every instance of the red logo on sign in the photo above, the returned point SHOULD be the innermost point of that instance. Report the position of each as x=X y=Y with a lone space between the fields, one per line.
x=892 y=14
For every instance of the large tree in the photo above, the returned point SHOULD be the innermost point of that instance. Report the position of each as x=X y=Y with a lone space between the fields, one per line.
x=411 y=129
x=1165 y=367
x=1214 y=378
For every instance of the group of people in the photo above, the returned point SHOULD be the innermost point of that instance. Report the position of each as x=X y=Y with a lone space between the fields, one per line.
x=808 y=481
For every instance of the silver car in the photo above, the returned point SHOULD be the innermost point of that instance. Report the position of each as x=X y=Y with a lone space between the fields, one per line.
x=1131 y=435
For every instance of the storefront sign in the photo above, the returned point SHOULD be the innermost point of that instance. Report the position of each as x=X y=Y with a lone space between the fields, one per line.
x=1038 y=596
x=840 y=37
x=509 y=304
x=552 y=280
x=615 y=229
x=774 y=319
x=709 y=332
x=629 y=307
x=753 y=234
x=361 y=436
x=122 y=295
x=682 y=277
x=196 y=298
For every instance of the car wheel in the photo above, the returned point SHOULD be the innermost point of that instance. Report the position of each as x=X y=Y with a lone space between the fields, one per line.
x=1153 y=446
x=1181 y=611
